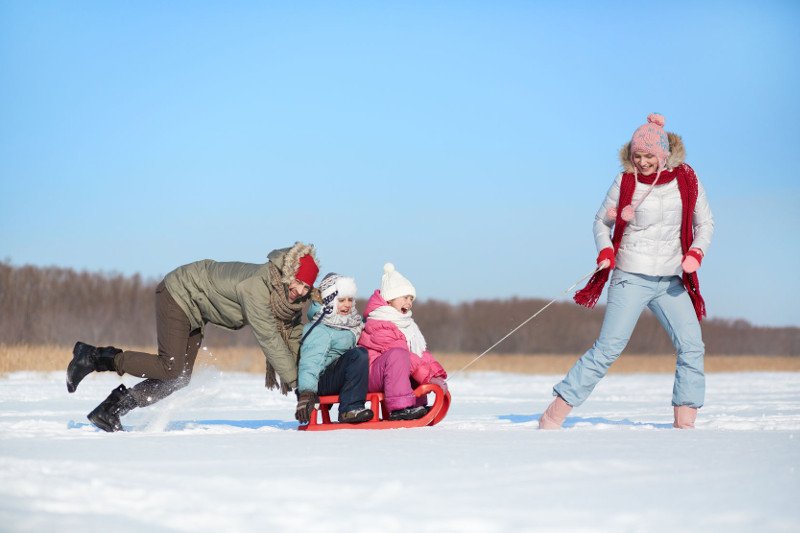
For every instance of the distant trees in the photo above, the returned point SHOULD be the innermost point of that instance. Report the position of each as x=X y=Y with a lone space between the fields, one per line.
x=566 y=328
x=60 y=306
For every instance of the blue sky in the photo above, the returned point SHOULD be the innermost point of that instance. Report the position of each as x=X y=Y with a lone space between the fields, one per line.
x=470 y=143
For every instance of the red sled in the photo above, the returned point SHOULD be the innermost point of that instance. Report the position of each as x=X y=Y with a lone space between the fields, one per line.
x=381 y=420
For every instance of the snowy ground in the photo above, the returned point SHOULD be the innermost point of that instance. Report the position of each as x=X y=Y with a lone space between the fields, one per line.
x=223 y=455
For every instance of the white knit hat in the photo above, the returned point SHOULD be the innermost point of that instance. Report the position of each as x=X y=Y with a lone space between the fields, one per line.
x=394 y=285
x=333 y=286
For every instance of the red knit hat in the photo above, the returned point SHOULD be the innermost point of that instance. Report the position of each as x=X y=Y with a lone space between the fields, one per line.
x=307 y=271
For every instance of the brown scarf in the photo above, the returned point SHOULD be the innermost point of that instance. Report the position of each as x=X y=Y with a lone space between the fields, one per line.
x=687 y=185
x=288 y=315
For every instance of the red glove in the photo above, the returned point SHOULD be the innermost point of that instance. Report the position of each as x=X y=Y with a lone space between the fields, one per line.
x=692 y=259
x=606 y=259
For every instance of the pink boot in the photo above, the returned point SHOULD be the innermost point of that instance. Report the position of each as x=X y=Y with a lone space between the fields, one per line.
x=555 y=414
x=685 y=417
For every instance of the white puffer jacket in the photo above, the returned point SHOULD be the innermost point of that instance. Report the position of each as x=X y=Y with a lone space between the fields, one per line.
x=651 y=242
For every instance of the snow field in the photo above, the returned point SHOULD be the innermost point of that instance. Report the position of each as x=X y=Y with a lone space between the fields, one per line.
x=223 y=454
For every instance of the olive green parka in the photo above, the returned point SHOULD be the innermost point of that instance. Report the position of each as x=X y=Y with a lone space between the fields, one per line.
x=232 y=294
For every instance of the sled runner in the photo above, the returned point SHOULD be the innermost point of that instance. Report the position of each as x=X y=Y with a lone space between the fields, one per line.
x=381 y=420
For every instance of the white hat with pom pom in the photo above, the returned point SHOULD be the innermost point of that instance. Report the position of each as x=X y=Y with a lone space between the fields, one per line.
x=394 y=284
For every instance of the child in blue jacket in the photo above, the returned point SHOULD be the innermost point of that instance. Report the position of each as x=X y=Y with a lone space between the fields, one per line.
x=330 y=362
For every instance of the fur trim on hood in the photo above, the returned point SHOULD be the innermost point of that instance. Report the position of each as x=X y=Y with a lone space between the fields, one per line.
x=291 y=259
x=677 y=153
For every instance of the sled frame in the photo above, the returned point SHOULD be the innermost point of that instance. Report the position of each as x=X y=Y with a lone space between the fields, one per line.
x=380 y=420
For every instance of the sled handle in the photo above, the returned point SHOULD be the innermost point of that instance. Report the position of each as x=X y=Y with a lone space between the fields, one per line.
x=440 y=406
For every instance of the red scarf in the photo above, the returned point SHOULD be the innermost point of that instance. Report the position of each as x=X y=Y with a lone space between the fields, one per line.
x=687 y=186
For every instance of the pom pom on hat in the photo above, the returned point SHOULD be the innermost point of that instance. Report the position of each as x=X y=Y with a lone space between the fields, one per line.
x=655 y=118
x=394 y=284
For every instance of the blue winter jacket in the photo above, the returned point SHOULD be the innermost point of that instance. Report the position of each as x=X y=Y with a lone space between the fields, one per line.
x=323 y=346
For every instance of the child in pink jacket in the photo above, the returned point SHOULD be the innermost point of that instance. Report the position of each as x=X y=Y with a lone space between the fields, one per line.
x=397 y=350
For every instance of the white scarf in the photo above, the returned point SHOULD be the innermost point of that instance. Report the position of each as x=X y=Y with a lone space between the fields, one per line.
x=414 y=339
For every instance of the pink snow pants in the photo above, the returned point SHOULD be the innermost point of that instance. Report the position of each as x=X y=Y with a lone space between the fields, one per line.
x=389 y=373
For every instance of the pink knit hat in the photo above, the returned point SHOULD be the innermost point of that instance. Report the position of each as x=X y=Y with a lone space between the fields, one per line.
x=649 y=138
x=652 y=139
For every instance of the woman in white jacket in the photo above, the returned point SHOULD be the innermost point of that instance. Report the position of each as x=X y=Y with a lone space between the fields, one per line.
x=652 y=230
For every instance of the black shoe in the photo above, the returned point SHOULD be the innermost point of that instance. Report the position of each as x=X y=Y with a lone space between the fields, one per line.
x=87 y=359
x=106 y=415
x=409 y=413
x=356 y=416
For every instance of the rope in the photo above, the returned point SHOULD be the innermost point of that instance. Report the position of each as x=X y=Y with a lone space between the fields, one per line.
x=551 y=302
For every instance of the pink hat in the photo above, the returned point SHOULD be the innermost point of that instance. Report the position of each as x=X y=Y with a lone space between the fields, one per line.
x=652 y=139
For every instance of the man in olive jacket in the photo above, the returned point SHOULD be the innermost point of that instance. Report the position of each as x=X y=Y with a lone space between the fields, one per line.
x=268 y=297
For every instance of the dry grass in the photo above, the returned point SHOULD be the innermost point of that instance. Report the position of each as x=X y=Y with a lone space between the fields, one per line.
x=46 y=358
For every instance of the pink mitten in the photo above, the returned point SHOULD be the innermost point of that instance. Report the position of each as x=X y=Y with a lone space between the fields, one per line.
x=692 y=259
x=439 y=381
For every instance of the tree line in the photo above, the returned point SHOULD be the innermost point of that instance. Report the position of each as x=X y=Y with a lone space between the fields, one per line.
x=59 y=306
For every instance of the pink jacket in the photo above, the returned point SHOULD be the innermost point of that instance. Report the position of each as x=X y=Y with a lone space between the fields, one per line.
x=381 y=335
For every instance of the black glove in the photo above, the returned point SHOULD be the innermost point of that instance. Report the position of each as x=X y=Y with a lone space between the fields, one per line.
x=305 y=404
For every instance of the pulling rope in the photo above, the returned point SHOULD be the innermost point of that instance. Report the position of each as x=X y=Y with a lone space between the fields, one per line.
x=551 y=302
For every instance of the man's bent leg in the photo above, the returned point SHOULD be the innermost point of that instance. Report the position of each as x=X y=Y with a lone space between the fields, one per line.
x=176 y=343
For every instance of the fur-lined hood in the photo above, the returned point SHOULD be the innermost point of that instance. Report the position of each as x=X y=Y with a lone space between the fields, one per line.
x=288 y=259
x=677 y=153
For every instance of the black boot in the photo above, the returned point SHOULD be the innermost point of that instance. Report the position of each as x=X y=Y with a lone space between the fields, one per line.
x=356 y=416
x=106 y=415
x=409 y=413
x=87 y=359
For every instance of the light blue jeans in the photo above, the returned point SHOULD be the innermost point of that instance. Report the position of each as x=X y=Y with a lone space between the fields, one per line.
x=628 y=294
